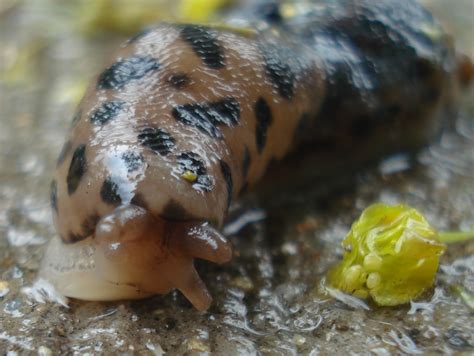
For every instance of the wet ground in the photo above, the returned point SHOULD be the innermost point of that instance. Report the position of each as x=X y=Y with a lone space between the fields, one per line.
x=266 y=301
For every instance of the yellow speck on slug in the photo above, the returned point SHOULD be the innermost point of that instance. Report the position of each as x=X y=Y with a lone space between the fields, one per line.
x=191 y=177
x=391 y=255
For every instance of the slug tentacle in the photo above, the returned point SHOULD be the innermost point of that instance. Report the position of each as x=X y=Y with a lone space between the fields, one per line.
x=154 y=256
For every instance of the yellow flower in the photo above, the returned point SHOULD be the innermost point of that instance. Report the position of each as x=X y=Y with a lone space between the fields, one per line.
x=391 y=255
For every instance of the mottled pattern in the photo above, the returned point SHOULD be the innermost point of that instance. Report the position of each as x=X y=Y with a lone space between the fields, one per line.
x=278 y=70
x=207 y=117
x=53 y=195
x=192 y=162
x=133 y=160
x=179 y=80
x=89 y=224
x=204 y=43
x=157 y=140
x=263 y=115
x=227 y=174
x=106 y=112
x=109 y=192
x=175 y=211
x=77 y=169
x=182 y=122
x=126 y=70
x=139 y=35
x=73 y=238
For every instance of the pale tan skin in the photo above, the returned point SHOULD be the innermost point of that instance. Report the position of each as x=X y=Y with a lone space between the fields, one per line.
x=134 y=252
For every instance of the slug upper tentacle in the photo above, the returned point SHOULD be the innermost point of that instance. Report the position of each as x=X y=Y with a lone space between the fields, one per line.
x=185 y=117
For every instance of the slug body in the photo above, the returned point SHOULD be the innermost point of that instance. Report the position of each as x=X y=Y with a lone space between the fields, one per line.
x=185 y=117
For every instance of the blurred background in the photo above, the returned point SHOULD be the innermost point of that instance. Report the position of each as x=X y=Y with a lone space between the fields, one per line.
x=49 y=51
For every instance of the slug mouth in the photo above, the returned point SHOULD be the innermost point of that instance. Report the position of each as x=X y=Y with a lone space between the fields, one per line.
x=154 y=256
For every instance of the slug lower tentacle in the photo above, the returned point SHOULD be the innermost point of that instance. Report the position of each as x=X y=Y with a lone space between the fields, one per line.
x=186 y=117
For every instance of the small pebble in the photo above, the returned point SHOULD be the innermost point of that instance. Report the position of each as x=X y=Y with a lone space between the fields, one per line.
x=44 y=351
x=243 y=283
x=196 y=344
x=299 y=340
x=4 y=289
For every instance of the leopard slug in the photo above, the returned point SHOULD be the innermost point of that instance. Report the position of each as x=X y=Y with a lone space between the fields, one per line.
x=185 y=117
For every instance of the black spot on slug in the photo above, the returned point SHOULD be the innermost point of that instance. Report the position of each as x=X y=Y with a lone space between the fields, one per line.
x=303 y=125
x=192 y=162
x=89 y=224
x=227 y=174
x=204 y=43
x=279 y=71
x=64 y=152
x=140 y=35
x=73 y=238
x=53 y=195
x=109 y=192
x=157 y=140
x=178 y=80
x=133 y=160
x=246 y=162
x=108 y=111
x=125 y=70
x=207 y=117
x=175 y=211
x=263 y=114
x=77 y=169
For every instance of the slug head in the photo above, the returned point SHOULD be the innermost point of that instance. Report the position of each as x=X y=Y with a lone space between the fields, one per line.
x=133 y=255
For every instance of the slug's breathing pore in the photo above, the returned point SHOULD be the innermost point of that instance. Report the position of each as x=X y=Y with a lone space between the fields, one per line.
x=185 y=117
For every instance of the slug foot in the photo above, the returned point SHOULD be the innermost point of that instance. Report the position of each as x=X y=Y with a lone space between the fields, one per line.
x=153 y=256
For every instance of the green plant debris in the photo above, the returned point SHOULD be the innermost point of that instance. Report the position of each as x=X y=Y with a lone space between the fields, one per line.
x=391 y=256
x=466 y=296
x=449 y=237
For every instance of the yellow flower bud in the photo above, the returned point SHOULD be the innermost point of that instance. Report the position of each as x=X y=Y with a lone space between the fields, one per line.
x=393 y=255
